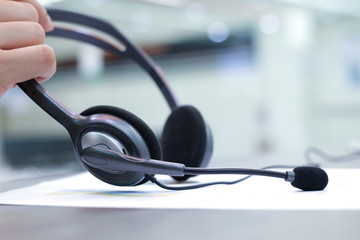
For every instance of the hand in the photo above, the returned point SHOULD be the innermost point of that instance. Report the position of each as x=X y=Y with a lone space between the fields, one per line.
x=23 y=54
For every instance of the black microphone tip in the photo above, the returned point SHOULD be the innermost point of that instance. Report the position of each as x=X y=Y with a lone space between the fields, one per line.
x=310 y=178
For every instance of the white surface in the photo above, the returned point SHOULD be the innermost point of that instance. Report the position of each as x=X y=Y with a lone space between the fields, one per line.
x=84 y=190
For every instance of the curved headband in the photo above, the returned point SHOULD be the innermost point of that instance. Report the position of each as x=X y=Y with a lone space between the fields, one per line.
x=54 y=108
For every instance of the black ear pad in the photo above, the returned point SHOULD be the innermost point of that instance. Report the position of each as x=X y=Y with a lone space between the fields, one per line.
x=187 y=139
x=143 y=129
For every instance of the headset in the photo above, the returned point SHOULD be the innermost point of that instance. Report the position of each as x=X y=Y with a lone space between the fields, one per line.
x=119 y=148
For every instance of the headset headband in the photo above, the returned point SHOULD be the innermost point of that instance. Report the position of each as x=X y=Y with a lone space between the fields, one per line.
x=54 y=108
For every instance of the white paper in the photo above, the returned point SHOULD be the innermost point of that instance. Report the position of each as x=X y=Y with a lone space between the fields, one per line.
x=84 y=190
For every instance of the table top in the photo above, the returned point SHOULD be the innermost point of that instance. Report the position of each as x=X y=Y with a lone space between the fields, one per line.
x=99 y=223
x=48 y=222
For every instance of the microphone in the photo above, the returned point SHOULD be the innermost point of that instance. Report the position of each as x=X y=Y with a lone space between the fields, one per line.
x=305 y=178
x=310 y=178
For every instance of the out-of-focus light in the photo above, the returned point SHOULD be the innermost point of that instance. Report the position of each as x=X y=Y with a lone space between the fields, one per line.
x=94 y=3
x=298 y=28
x=90 y=61
x=172 y=3
x=269 y=24
x=218 y=32
x=194 y=12
x=142 y=21
x=48 y=2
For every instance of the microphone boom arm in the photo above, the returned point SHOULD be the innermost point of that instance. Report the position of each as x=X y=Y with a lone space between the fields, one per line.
x=106 y=159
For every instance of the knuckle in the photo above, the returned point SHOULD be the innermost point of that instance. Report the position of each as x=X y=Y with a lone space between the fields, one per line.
x=4 y=80
x=30 y=11
x=47 y=56
x=4 y=64
x=37 y=30
x=2 y=57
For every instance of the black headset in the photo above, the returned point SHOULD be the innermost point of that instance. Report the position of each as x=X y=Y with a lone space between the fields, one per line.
x=119 y=148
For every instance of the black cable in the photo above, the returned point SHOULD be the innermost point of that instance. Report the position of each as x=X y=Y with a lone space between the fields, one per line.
x=327 y=157
x=259 y=172
x=231 y=171
x=190 y=187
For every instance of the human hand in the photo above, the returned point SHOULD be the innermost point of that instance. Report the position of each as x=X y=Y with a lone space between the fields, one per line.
x=23 y=54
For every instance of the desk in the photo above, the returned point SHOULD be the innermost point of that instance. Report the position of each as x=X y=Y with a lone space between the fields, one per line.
x=30 y=222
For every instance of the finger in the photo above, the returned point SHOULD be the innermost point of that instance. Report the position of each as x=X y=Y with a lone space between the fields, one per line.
x=22 y=64
x=17 y=11
x=20 y=34
x=44 y=18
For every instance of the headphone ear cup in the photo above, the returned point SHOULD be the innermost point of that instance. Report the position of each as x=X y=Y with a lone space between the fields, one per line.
x=187 y=139
x=143 y=129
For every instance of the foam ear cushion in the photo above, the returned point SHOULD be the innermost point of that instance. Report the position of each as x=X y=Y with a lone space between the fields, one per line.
x=185 y=138
x=143 y=129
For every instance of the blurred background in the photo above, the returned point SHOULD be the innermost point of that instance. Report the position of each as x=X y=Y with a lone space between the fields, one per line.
x=271 y=77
